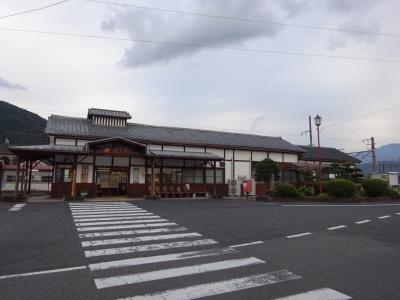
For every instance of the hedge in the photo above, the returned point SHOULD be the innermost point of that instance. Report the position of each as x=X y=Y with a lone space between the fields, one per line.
x=375 y=187
x=341 y=188
x=286 y=190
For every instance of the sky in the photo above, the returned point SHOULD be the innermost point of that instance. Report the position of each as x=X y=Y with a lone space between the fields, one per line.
x=156 y=68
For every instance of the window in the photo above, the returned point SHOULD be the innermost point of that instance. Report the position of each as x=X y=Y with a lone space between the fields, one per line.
x=219 y=176
x=136 y=172
x=47 y=178
x=11 y=178
x=172 y=176
x=194 y=176
x=63 y=175
x=84 y=174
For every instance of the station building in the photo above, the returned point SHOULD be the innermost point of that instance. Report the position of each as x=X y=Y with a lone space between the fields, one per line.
x=105 y=154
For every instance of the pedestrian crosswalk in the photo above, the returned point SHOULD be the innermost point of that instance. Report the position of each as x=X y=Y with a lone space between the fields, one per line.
x=128 y=248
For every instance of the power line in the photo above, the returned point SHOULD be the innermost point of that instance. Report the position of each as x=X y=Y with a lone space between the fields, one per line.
x=362 y=117
x=33 y=10
x=245 y=20
x=204 y=46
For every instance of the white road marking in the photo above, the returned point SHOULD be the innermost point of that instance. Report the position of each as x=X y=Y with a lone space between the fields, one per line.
x=384 y=217
x=336 y=227
x=120 y=222
x=108 y=212
x=139 y=239
x=150 y=247
x=115 y=218
x=298 y=235
x=220 y=287
x=363 y=222
x=102 y=207
x=98 y=205
x=102 y=283
x=43 y=272
x=87 y=211
x=130 y=232
x=337 y=205
x=398 y=213
x=17 y=207
x=97 y=228
x=114 y=215
x=160 y=258
x=321 y=294
x=247 y=244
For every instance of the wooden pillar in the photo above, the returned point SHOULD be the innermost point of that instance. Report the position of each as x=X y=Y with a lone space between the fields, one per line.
x=17 y=176
x=215 y=177
x=94 y=183
x=153 y=178
x=23 y=182
x=73 y=188
x=204 y=176
x=30 y=177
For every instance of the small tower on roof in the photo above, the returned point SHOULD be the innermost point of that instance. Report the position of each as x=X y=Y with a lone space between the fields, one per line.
x=110 y=118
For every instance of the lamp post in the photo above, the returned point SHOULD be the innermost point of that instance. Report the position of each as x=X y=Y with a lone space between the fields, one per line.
x=318 y=121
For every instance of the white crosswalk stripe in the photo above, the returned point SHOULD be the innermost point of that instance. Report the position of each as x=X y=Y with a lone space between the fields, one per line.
x=160 y=258
x=147 y=225
x=113 y=215
x=142 y=221
x=102 y=283
x=320 y=294
x=139 y=239
x=220 y=287
x=130 y=232
x=115 y=218
x=152 y=241
x=150 y=247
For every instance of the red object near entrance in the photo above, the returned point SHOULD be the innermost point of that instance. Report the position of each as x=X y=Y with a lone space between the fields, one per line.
x=248 y=186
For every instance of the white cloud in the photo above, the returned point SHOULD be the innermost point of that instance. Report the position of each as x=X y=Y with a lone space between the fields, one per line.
x=10 y=85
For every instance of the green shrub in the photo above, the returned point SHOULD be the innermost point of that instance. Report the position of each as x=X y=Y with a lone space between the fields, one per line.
x=341 y=188
x=306 y=191
x=324 y=196
x=375 y=187
x=286 y=190
x=394 y=194
x=316 y=186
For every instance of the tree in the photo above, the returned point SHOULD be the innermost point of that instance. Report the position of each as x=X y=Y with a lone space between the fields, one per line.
x=266 y=170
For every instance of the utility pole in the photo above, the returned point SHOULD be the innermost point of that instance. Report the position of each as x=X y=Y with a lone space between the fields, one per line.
x=373 y=154
x=371 y=142
x=309 y=131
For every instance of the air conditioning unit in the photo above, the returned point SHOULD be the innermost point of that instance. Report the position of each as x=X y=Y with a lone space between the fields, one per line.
x=234 y=187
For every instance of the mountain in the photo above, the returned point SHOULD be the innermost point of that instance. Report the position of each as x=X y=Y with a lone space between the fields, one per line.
x=21 y=127
x=387 y=157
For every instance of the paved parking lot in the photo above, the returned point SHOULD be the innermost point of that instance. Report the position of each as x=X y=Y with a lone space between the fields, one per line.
x=188 y=249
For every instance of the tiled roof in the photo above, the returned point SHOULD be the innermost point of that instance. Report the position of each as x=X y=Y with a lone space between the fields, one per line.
x=79 y=127
x=48 y=148
x=327 y=154
x=109 y=113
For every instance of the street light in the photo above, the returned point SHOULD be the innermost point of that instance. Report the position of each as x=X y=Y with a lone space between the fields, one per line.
x=318 y=121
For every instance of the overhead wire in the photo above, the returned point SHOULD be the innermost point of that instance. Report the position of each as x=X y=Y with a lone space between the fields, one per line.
x=33 y=10
x=245 y=20
x=204 y=46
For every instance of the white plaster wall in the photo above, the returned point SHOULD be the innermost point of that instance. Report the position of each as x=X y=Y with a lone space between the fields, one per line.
x=90 y=174
x=228 y=170
x=63 y=141
x=219 y=152
x=138 y=161
x=82 y=142
x=155 y=147
x=51 y=140
x=259 y=156
x=242 y=155
x=121 y=161
x=172 y=148
x=194 y=149
x=291 y=158
x=103 y=161
x=276 y=157
x=85 y=159
x=228 y=154
x=242 y=168
x=78 y=173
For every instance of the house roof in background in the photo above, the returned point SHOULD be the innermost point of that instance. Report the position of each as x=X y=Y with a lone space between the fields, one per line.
x=327 y=155
x=108 y=113
x=80 y=127
x=4 y=150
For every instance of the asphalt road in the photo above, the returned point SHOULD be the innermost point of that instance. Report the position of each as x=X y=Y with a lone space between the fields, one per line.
x=173 y=249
